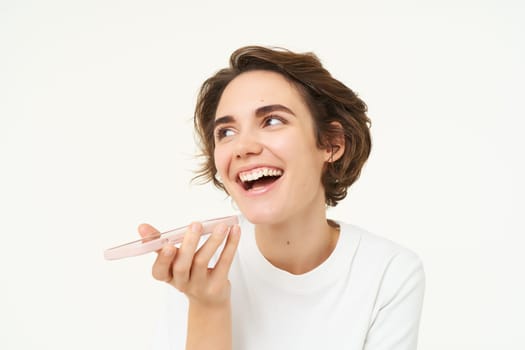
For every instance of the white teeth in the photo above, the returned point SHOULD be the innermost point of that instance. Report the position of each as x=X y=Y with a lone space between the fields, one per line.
x=258 y=173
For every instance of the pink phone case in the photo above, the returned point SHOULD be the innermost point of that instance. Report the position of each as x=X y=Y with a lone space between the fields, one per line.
x=159 y=240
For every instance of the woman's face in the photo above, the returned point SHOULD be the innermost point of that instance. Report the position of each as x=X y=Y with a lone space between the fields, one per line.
x=265 y=149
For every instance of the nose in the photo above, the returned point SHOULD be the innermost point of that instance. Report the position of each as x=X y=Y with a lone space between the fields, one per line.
x=247 y=145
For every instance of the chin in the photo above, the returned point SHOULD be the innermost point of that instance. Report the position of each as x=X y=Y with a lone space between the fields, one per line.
x=258 y=216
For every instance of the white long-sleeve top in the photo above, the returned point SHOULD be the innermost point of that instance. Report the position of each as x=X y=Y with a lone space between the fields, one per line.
x=367 y=295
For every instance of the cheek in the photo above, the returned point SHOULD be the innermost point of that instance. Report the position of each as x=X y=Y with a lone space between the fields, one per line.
x=294 y=145
x=287 y=145
x=220 y=161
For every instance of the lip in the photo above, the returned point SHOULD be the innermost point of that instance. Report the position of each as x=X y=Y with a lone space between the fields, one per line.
x=263 y=190
x=260 y=191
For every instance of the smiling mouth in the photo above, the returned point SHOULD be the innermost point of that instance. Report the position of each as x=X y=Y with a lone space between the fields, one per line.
x=258 y=178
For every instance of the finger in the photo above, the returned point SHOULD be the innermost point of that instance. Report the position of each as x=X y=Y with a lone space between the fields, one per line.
x=182 y=264
x=147 y=231
x=228 y=253
x=162 y=268
x=199 y=268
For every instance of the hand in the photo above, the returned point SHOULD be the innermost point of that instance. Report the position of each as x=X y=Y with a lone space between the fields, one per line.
x=186 y=268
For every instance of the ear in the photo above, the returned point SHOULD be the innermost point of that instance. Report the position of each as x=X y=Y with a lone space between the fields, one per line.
x=335 y=146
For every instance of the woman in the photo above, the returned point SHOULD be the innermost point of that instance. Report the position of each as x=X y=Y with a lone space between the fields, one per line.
x=285 y=139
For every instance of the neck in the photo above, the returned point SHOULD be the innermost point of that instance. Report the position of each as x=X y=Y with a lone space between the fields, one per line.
x=299 y=244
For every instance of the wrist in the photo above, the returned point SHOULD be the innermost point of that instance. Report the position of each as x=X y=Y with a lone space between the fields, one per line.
x=215 y=307
x=209 y=326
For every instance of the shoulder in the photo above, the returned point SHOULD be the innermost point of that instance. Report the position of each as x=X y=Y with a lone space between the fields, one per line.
x=390 y=282
x=389 y=264
x=376 y=249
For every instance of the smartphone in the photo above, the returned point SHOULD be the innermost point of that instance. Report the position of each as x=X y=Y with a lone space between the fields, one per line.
x=159 y=240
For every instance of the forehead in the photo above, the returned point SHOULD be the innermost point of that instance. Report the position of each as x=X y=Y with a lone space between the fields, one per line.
x=253 y=89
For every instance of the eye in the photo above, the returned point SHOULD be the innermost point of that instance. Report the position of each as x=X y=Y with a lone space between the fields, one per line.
x=272 y=120
x=223 y=132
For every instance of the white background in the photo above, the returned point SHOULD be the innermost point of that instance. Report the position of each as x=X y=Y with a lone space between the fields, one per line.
x=96 y=101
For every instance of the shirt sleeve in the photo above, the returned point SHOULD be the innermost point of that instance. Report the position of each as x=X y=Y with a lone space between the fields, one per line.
x=395 y=324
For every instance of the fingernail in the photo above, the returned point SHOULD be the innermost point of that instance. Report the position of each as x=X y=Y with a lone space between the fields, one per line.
x=194 y=227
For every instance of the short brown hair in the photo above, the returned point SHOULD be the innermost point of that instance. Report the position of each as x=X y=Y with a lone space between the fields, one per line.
x=328 y=99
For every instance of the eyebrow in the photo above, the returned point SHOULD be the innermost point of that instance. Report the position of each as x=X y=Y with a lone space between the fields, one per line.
x=259 y=112
x=272 y=108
